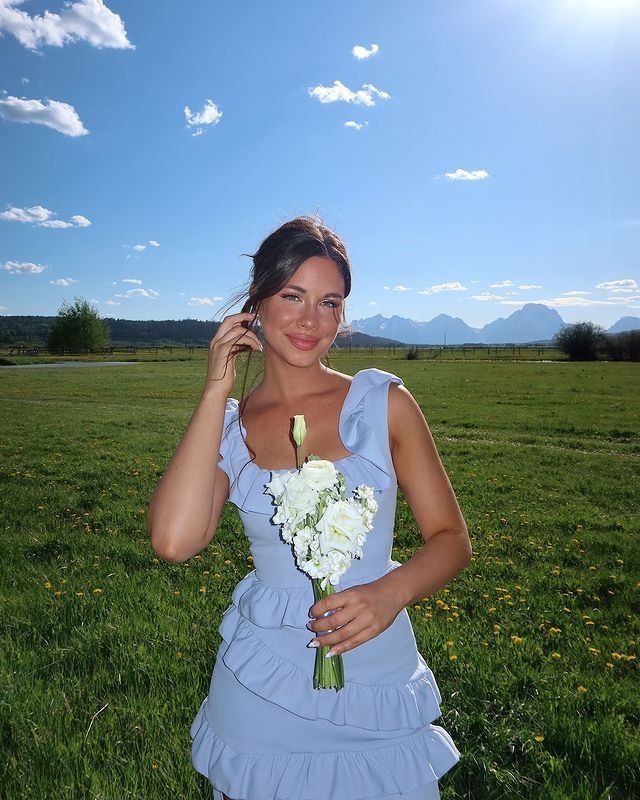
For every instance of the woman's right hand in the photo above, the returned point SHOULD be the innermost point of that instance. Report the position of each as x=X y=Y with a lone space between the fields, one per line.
x=230 y=339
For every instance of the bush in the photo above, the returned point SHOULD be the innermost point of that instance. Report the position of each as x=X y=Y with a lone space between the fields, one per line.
x=624 y=346
x=582 y=341
x=412 y=353
x=78 y=329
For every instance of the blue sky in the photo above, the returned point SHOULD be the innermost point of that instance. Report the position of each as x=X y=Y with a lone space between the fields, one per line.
x=491 y=146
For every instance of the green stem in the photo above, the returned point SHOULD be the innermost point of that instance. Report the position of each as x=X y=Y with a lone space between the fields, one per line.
x=328 y=672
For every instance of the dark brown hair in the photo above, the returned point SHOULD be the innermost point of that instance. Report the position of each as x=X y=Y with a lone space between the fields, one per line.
x=275 y=262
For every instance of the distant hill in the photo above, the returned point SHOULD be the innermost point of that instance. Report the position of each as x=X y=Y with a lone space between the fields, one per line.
x=33 y=330
x=534 y=323
x=625 y=324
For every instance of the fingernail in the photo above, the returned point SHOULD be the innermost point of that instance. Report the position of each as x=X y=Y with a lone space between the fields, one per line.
x=313 y=643
x=307 y=626
x=330 y=653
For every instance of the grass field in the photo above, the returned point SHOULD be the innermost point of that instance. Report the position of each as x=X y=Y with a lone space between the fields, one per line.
x=106 y=652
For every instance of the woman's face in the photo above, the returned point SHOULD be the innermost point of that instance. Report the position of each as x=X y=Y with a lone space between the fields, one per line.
x=300 y=322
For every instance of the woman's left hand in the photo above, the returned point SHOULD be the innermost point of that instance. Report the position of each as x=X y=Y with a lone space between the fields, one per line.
x=363 y=612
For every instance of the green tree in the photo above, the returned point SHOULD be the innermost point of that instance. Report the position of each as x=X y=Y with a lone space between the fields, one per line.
x=78 y=328
x=581 y=341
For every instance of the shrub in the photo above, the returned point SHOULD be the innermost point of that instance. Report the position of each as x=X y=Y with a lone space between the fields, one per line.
x=624 y=346
x=412 y=353
x=582 y=341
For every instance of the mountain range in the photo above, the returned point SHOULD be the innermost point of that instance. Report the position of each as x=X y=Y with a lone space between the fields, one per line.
x=533 y=323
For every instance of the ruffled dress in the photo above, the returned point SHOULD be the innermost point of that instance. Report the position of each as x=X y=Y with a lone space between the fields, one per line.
x=263 y=732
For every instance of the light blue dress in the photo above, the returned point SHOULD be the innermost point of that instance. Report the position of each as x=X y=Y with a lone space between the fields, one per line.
x=264 y=732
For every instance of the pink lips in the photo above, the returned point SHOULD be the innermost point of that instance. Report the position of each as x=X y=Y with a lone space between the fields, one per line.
x=303 y=344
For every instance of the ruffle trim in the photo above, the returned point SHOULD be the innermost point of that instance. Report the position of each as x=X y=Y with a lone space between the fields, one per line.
x=369 y=462
x=275 y=606
x=390 y=706
x=394 y=769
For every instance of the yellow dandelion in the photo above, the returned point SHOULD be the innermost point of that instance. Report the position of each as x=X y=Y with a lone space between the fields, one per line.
x=58 y=593
x=227 y=561
x=450 y=643
x=154 y=765
x=556 y=655
x=176 y=594
x=47 y=585
x=609 y=665
x=80 y=594
x=582 y=689
x=203 y=589
x=452 y=657
x=97 y=591
x=496 y=627
x=619 y=561
x=517 y=639
x=539 y=738
x=178 y=654
x=491 y=609
x=206 y=572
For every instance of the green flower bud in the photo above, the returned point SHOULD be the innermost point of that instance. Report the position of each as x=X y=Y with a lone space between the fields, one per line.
x=299 y=429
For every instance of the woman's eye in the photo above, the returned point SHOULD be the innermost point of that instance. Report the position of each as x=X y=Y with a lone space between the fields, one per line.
x=295 y=296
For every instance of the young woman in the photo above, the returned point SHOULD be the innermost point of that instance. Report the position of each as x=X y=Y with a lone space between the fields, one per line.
x=264 y=732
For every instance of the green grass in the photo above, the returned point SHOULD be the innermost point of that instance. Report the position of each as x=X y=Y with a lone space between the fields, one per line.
x=106 y=652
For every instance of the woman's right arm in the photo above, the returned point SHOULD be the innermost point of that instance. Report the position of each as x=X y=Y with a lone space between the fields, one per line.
x=186 y=504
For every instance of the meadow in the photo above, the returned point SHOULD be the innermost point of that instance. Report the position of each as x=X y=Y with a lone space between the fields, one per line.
x=106 y=651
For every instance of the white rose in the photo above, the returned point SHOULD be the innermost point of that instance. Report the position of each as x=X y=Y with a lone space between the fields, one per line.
x=298 y=499
x=319 y=474
x=339 y=528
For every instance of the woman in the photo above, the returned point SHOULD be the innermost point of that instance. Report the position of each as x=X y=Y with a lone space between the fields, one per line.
x=264 y=732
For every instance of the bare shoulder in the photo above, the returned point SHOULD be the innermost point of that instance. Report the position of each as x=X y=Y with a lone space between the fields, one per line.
x=403 y=415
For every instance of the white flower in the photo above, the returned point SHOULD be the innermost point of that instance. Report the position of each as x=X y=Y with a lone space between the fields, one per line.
x=319 y=474
x=339 y=528
x=277 y=483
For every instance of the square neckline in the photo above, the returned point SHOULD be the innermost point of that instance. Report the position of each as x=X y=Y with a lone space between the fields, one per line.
x=294 y=469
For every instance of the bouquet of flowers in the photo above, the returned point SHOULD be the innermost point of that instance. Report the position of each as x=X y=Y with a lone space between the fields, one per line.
x=326 y=529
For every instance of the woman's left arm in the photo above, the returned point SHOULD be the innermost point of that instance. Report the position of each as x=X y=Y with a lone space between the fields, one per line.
x=422 y=478
x=366 y=610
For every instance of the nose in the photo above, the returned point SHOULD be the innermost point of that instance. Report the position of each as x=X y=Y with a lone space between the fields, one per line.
x=308 y=318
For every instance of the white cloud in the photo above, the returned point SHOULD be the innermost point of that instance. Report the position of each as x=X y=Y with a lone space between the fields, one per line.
x=42 y=218
x=624 y=285
x=22 y=267
x=210 y=115
x=203 y=301
x=399 y=288
x=373 y=303
x=574 y=301
x=339 y=92
x=500 y=285
x=3 y=308
x=486 y=296
x=360 y=52
x=576 y=293
x=64 y=281
x=52 y=114
x=465 y=175
x=140 y=247
x=87 y=20
x=358 y=126
x=79 y=221
x=111 y=303
x=140 y=293
x=449 y=287
x=131 y=280
x=530 y=286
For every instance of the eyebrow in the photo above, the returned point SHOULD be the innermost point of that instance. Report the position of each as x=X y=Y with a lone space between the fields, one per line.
x=304 y=291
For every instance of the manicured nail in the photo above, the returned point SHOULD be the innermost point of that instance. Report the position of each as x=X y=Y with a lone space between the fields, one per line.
x=313 y=643
x=330 y=653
